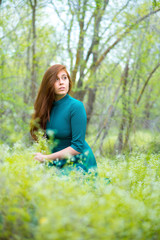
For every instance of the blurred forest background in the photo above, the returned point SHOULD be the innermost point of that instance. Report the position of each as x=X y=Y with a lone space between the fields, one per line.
x=111 y=49
x=112 y=52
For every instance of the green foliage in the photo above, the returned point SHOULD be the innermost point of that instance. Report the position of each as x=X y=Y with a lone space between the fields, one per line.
x=38 y=202
x=154 y=146
x=155 y=3
x=41 y=145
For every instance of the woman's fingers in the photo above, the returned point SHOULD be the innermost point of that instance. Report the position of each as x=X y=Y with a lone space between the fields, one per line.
x=39 y=157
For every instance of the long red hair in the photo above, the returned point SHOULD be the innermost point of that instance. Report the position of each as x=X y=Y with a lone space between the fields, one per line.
x=45 y=98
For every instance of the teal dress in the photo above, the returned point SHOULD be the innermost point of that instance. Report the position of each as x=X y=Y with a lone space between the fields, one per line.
x=68 y=124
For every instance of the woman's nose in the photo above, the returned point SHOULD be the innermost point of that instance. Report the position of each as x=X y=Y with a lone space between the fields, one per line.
x=61 y=81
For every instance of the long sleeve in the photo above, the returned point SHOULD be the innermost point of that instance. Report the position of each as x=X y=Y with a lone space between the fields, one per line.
x=78 y=126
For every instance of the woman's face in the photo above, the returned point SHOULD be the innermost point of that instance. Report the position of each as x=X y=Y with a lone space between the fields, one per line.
x=61 y=85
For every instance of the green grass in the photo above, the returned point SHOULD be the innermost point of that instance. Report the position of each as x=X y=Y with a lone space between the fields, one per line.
x=141 y=140
x=41 y=203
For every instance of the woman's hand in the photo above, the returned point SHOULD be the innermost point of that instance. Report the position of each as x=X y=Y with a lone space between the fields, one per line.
x=40 y=157
x=64 y=153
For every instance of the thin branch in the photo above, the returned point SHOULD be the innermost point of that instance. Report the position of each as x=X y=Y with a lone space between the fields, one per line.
x=111 y=108
x=89 y=22
x=98 y=14
x=57 y=12
x=146 y=82
x=128 y=30
x=115 y=16
x=31 y=3
x=69 y=41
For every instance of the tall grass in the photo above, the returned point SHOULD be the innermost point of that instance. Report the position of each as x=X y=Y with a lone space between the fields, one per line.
x=37 y=202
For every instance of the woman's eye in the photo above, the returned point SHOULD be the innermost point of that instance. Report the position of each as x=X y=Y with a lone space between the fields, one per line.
x=65 y=77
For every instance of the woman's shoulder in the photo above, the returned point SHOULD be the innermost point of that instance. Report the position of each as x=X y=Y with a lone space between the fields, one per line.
x=76 y=107
x=74 y=102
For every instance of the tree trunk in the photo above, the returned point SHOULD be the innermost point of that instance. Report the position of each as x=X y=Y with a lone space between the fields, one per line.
x=110 y=112
x=25 y=95
x=95 y=42
x=91 y=100
x=124 y=109
x=147 y=109
x=131 y=117
x=33 y=86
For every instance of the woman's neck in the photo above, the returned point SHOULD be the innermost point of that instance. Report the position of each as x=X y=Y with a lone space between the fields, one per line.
x=58 y=97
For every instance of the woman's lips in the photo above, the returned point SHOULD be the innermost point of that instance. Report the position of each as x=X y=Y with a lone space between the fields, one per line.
x=62 y=88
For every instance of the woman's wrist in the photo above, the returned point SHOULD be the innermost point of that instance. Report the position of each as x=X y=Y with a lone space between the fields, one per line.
x=49 y=157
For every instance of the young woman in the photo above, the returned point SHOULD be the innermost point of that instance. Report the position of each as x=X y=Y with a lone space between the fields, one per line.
x=65 y=116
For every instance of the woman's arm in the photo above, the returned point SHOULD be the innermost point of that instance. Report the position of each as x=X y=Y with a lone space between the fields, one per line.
x=66 y=152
